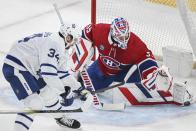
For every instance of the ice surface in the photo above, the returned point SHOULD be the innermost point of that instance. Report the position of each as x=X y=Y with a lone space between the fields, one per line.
x=24 y=17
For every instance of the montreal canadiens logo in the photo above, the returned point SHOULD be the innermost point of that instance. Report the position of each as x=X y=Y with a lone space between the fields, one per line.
x=110 y=62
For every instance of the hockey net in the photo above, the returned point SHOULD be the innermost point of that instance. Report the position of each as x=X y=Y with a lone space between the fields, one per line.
x=157 y=22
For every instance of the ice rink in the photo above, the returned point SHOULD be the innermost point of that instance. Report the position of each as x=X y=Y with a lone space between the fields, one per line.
x=25 y=17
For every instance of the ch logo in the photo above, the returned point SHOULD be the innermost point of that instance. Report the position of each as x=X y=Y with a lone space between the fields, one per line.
x=110 y=62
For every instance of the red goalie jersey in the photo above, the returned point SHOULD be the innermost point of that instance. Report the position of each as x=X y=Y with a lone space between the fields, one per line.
x=112 y=59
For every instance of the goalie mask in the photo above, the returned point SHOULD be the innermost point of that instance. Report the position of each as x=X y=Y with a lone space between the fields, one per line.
x=119 y=30
x=69 y=34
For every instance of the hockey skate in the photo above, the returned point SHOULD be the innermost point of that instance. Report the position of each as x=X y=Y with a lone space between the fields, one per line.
x=67 y=122
x=181 y=95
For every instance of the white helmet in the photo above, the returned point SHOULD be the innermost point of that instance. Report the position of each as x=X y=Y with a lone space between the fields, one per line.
x=70 y=35
x=119 y=30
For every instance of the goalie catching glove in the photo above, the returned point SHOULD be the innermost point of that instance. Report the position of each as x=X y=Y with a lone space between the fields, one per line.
x=82 y=91
x=67 y=97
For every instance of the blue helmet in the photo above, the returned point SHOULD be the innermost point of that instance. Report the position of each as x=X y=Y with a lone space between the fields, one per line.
x=119 y=30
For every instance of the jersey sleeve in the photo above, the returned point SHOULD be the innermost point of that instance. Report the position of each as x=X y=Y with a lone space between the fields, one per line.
x=145 y=59
x=65 y=74
x=147 y=66
x=68 y=79
x=87 y=32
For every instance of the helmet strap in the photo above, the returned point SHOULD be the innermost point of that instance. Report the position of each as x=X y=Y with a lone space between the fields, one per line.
x=61 y=35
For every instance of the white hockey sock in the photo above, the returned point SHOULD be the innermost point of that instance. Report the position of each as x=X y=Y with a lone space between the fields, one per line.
x=23 y=122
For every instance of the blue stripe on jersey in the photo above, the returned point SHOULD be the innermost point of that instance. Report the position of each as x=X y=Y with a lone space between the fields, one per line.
x=64 y=76
x=77 y=59
x=14 y=59
x=48 y=73
x=21 y=123
x=78 y=49
x=53 y=104
x=29 y=118
x=59 y=108
x=83 y=35
x=62 y=71
x=49 y=65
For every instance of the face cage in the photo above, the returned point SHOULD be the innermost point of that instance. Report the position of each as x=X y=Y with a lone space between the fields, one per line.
x=121 y=43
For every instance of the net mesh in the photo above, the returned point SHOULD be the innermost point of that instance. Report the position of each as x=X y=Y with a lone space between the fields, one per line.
x=156 y=22
x=172 y=3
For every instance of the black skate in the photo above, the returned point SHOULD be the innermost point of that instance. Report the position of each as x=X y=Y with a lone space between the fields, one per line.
x=67 y=122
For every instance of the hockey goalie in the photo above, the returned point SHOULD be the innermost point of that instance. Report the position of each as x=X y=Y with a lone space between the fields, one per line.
x=159 y=87
x=145 y=86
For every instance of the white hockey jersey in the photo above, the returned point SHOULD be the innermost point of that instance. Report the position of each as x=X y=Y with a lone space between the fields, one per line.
x=43 y=55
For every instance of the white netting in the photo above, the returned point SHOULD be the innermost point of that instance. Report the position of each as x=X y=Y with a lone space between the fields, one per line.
x=157 y=25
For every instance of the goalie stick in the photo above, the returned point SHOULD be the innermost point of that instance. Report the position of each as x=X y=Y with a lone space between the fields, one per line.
x=83 y=108
x=129 y=73
x=97 y=103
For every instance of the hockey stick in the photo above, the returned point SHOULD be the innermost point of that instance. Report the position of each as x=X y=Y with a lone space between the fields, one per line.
x=129 y=73
x=97 y=103
x=87 y=82
x=83 y=108
x=58 y=13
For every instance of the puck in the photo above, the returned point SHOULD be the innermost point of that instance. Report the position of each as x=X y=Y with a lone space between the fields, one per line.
x=187 y=103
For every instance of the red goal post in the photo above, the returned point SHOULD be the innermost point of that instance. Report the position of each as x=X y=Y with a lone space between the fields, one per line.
x=157 y=22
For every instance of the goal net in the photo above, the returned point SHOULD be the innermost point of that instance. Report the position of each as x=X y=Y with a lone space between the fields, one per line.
x=158 y=23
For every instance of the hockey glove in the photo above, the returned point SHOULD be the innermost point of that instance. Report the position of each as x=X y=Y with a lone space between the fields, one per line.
x=67 y=97
x=82 y=91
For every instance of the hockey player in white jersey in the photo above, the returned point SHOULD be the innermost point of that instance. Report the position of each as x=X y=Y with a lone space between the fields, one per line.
x=35 y=67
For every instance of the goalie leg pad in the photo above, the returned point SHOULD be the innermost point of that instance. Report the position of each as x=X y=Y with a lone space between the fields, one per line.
x=181 y=95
